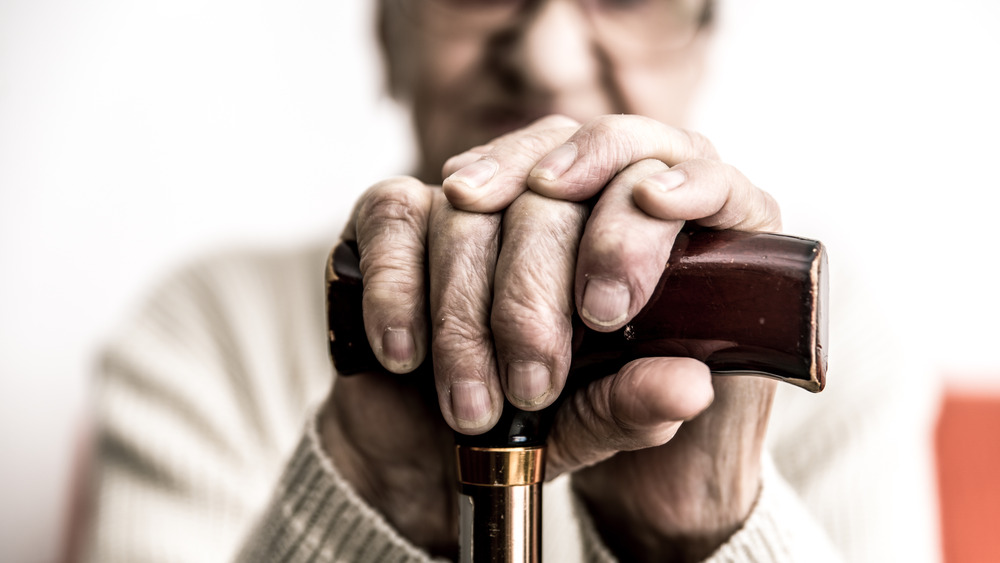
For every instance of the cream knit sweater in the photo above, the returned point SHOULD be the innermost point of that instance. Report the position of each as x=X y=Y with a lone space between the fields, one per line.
x=207 y=448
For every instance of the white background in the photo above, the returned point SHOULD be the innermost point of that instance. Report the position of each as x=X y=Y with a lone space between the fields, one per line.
x=136 y=134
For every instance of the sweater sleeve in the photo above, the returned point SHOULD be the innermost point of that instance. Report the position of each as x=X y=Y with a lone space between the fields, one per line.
x=315 y=515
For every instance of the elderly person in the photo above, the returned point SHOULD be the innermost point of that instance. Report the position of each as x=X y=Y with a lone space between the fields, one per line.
x=553 y=178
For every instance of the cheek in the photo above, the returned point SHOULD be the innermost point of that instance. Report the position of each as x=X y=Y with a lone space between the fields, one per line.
x=446 y=67
x=447 y=81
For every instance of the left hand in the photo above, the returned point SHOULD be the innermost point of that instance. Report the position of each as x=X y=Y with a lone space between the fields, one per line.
x=679 y=499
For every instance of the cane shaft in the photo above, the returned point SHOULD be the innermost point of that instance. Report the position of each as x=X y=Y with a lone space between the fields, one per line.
x=500 y=504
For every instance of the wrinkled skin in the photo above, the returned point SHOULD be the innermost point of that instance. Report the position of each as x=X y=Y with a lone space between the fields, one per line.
x=571 y=212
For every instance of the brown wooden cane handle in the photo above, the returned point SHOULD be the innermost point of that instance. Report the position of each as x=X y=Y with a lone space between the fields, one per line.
x=740 y=302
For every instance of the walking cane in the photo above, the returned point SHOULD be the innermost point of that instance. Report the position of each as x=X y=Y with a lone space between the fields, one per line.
x=743 y=303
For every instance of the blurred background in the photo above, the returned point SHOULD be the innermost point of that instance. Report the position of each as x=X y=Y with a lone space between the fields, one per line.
x=135 y=135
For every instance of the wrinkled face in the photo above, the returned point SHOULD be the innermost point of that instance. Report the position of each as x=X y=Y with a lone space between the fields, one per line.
x=474 y=69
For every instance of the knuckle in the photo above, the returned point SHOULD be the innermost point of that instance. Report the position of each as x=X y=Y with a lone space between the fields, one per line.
x=533 y=316
x=744 y=206
x=460 y=295
x=527 y=319
x=555 y=121
x=600 y=129
x=579 y=445
x=461 y=281
x=535 y=143
x=530 y=145
x=386 y=282
x=390 y=227
x=773 y=209
x=394 y=201
x=543 y=269
x=604 y=123
x=461 y=351
x=541 y=241
x=452 y=227
x=555 y=218
x=619 y=241
x=617 y=139
x=610 y=237
x=459 y=334
x=480 y=150
x=760 y=212
x=389 y=280
x=641 y=169
x=700 y=145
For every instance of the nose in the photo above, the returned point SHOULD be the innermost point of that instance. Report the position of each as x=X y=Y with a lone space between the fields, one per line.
x=553 y=52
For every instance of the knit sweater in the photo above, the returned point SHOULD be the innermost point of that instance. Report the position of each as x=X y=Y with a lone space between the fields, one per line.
x=207 y=445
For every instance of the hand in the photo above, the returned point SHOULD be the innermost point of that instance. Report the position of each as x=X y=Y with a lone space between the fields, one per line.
x=713 y=463
x=681 y=500
x=663 y=173
x=519 y=341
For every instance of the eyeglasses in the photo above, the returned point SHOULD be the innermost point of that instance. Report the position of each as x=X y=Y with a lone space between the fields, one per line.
x=620 y=26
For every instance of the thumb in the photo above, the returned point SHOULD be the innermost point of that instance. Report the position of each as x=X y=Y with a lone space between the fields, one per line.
x=641 y=406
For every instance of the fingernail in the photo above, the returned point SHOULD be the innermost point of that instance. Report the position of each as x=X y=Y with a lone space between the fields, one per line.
x=470 y=404
x=666 y=181
x=398 y=346
x=556 y=163
x=460 y=161
x=605 y=302
x=528 y=383
x=476 y=174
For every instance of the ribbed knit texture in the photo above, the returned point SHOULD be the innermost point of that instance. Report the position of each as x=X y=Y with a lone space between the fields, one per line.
x=316 y=516
x=203 y=396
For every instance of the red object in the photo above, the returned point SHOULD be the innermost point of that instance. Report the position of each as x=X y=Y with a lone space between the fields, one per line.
x=968 y=452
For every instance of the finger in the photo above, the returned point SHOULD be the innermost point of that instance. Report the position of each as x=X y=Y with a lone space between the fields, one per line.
x=391 y=227
x=641 y=406
x=739 y=414
x=492 y=181
x=462 y=256
x=622 y=253
x=707 y=477
x=606 y=145
x=459 y=161
x=555 y=121
x=728 y=437
x=712 y=193
x=533 y=303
